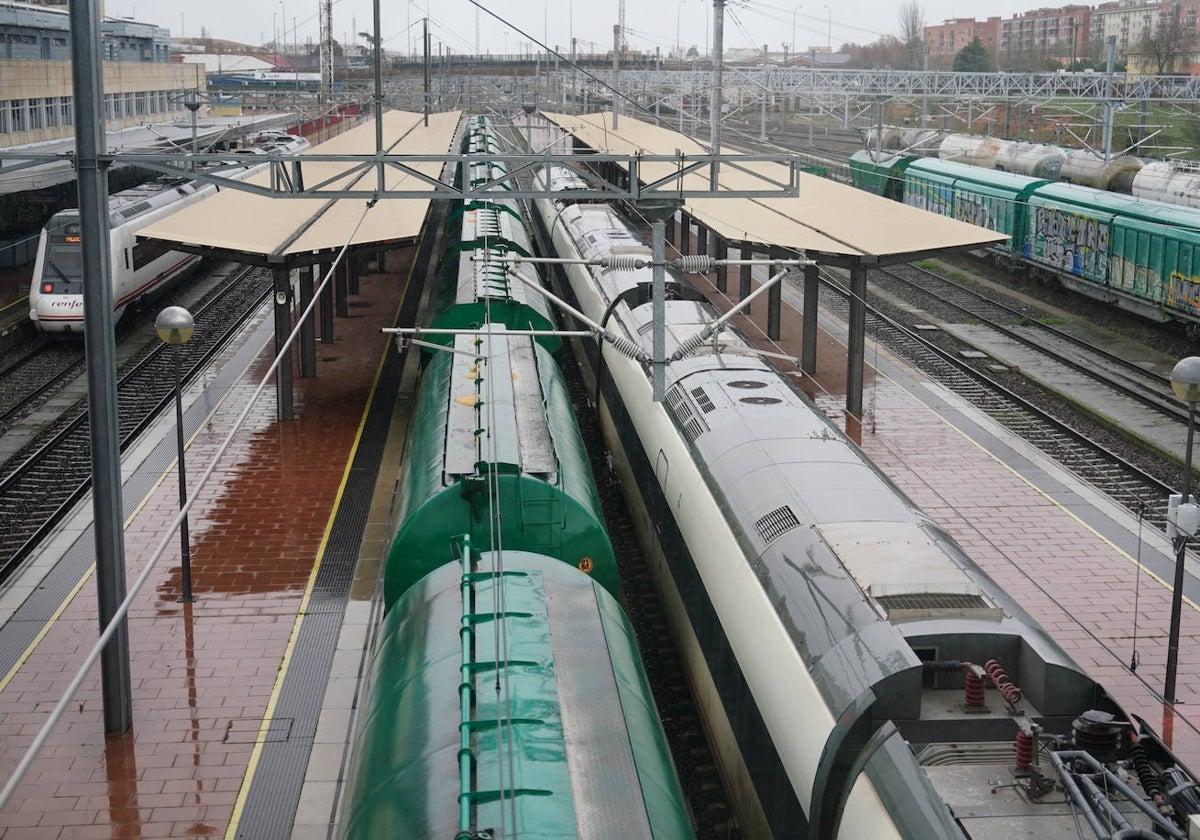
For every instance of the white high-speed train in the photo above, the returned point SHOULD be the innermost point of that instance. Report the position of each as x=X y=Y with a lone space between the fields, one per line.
x=839 y=643
x=138 y=268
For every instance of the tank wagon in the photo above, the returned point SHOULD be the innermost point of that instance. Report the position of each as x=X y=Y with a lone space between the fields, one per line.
x=1175 y=182
x=1143 y=256
x=137 y=269
x=860 y=676
x=1085 y=167
x=506 y=696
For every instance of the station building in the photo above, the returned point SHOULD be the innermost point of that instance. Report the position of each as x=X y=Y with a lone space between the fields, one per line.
x=141 y=82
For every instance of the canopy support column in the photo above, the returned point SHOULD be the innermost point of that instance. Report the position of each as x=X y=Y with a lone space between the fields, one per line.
x=326 y=306
x=774 y=305
x=284 y=409
x=856 y=349
x=808 y=336
x=723 y=248
x=747 y=252
x=308 y=327
x=341 y=283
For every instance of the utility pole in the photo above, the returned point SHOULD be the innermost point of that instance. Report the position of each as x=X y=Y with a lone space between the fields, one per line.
x=1110 y=47
x=116 y=688
x=425 y=46
x=326 y=51
x=762 y=134
x=616 y=108
x=718 y=47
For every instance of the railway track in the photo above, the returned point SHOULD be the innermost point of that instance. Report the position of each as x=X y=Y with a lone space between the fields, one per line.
x=40 y=369
x=1140 y=489
x=53 y=472
x=1119 y=377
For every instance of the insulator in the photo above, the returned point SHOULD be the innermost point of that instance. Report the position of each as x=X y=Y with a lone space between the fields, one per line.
x=1010 y=693
x=942 y=666
x=696 y=263
x=1024 y=751
x=691 y=344
x=625 y=347
x=975 y=690
x=624 y=261
x=1095 y=732
x=1145 y=773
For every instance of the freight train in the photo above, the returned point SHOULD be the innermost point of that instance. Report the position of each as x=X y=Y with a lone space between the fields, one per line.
x=1169 y=181
x=1142 y=256
x=137 y=268
x=840 y=644
x=506 y=695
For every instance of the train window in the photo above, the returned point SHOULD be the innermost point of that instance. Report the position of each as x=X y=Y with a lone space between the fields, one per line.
x=145 y=252
x=65 y=263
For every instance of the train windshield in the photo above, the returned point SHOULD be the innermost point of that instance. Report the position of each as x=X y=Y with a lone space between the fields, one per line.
x=64 y=262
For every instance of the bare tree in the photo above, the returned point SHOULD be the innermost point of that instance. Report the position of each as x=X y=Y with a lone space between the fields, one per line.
x=912 y=32
x=1166 y=43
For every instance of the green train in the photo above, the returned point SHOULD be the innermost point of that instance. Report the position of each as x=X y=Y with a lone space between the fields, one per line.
x=1142 y=256
x=506 y=695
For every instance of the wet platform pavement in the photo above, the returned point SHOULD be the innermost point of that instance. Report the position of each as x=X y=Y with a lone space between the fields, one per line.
x=241 y=720
x=207 y=676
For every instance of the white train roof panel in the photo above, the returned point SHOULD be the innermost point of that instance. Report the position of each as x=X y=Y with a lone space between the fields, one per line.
x=825 y=218
x=239 y=221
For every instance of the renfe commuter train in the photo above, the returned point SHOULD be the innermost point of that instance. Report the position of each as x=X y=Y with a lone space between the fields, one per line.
x=1143 y=256
x=860 y=677
x=506 y=696
x=138 y=268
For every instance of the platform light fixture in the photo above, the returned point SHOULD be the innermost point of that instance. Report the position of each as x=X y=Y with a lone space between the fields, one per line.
x=1183 y=515
x=175 y=326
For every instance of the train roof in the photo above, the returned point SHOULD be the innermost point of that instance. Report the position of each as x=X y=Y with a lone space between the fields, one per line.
x=838 y=222
x=1010 y=181
x=1120 y=205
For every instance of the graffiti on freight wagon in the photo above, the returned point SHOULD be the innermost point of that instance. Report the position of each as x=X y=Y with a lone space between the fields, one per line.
x=1183 y=293
x=1070 y=241
x=976 y=210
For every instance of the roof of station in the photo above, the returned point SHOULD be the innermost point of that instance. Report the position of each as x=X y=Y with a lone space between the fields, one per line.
x=826 y=218
x=262 y=227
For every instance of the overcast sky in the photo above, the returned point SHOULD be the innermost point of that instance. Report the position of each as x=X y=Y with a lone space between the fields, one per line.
x=649 y=23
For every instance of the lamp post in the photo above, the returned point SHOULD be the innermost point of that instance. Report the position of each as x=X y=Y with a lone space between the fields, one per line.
x=283 y=18
x=1181 y=517
x=175 y=326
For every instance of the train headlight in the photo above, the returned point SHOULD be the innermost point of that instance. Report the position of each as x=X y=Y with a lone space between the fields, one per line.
x=47 y=288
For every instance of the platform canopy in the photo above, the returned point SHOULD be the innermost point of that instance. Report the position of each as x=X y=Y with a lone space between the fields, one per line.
x=263 y=229
x=830 y=221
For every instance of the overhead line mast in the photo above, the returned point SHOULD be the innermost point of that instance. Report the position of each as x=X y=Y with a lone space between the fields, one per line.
x=326 y=51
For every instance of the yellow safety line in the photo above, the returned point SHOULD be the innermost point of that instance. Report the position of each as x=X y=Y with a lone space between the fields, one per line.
x=70 y=597
x=281 y=674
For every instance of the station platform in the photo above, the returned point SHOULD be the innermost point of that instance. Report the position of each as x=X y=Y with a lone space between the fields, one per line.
x=243 y=701
x=236 y=694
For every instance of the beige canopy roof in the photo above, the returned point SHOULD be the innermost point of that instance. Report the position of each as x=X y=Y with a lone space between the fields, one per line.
x=239 y=221
x=825 y=218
